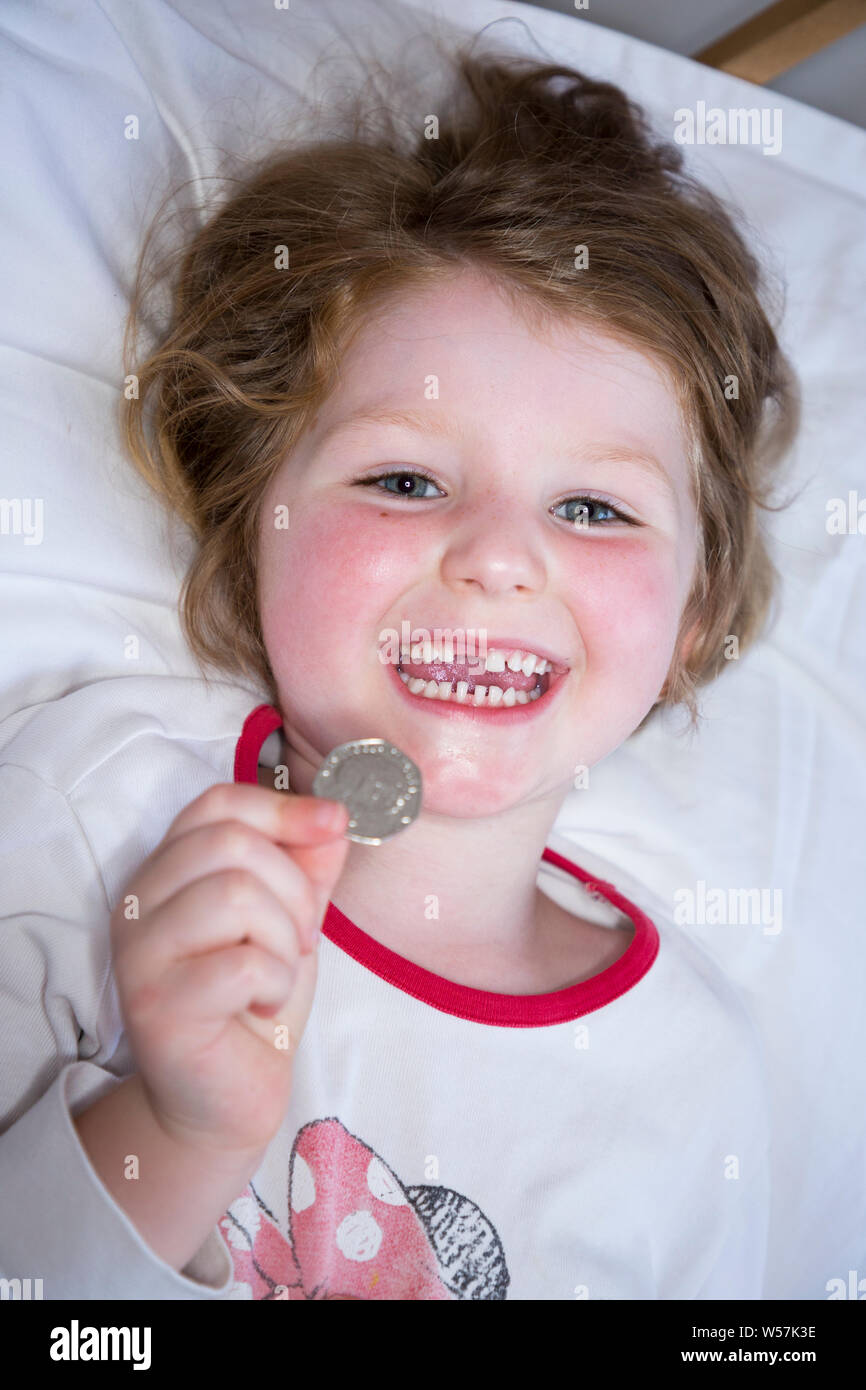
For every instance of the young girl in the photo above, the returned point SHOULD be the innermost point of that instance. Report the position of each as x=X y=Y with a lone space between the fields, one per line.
x=512 y=378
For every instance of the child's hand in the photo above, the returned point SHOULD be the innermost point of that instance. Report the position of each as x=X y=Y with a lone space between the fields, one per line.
x=223 y=952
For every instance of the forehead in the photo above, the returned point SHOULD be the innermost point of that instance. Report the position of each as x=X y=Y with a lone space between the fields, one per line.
x=470 y=336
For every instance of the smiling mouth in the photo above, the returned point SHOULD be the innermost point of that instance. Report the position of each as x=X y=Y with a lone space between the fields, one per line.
x=454 y=681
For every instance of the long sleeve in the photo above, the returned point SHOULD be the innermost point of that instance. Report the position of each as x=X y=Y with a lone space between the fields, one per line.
x=59 y=1031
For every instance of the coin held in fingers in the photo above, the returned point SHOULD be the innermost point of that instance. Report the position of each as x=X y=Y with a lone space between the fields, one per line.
x=378 y=783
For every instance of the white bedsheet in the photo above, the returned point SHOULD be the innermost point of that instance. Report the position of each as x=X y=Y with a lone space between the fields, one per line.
x=771 y=795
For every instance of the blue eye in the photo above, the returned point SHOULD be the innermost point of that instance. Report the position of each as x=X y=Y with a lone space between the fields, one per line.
x=409 y=478
x=584 y=508
x=405 y=476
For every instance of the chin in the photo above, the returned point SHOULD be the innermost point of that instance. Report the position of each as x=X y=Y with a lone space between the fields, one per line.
x=466 y=798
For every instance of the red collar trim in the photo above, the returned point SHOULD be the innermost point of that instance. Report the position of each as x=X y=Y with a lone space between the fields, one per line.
x=476 y=1005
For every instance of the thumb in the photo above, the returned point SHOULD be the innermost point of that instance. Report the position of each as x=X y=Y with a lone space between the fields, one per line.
x=323 y=865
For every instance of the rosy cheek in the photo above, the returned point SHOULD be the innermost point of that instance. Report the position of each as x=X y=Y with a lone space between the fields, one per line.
x=327 y=584
x=626 y=608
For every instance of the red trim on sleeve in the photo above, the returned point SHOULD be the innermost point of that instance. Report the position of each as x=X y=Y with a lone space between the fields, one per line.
x=476 y=1005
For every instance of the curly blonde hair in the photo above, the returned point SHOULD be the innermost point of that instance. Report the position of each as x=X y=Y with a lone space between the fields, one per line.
x=531 y=160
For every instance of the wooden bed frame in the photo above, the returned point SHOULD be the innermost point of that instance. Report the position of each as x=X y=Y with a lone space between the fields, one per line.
x=781 y=36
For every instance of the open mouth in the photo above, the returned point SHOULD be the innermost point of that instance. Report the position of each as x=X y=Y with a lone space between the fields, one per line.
x=502 y=682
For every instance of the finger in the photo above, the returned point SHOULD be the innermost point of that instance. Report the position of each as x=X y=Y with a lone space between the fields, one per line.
x=210 y=914
x=284 y=818
x=288 y=1020
x=213 y=988
x=214 y=848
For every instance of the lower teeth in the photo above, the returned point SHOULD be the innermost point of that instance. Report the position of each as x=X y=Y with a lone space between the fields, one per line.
x=487 y=695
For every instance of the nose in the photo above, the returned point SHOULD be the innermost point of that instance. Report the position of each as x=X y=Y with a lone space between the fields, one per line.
x=497 y=550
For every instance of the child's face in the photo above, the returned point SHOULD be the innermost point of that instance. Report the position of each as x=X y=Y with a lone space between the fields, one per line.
x=533 y=421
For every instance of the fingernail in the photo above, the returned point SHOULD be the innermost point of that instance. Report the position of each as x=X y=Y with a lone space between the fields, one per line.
x=330 y=814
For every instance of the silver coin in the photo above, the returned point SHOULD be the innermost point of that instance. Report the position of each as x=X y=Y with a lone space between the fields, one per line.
x=380 y=785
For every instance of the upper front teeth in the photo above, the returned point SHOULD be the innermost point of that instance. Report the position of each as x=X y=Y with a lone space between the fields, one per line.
x=496 y=659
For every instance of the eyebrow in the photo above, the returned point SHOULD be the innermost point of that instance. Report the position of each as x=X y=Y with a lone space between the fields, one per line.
x=427 y=423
